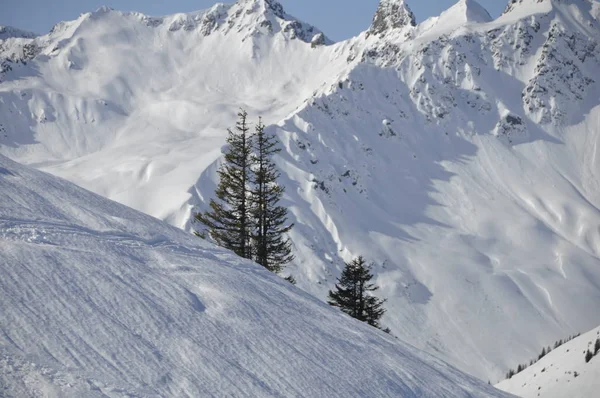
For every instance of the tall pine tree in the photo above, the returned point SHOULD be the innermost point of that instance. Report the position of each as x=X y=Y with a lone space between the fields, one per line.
x=352 y=293
x=271 y=247
x=229 y=220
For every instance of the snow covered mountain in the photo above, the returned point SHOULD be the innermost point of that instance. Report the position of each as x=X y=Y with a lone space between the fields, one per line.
x=7 y=32
x=458 y=153
x=100 y=300
x=562 y=373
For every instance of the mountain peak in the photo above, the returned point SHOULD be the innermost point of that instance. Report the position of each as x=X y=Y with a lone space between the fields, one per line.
x=462 y=13
x=7 y=32
x=517 y=4
x=391 y=14
x=468 y=11
x=265 y=6
x=257 y=17
x=583 y=13
x=104 y=9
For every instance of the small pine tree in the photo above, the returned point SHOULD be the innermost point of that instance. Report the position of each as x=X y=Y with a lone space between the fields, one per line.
x=543 y=354
x=597 y=347
x=272 y=249
x=352 y=293
x=588 y=356
x=229 y=220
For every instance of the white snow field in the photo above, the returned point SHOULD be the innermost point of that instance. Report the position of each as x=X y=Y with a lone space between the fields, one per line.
x=99 y=300
x=562 y=373
x=459 y=154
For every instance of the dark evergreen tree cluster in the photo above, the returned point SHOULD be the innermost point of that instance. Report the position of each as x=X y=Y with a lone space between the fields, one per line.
x=591 y=353
x=246 y=216
x=272 y=248
x=353 y=293
x=545 y=351
x=228 y=220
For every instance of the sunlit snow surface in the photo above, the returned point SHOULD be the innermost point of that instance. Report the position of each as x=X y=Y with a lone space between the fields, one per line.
x=99 y=300
x=460 y=155
x=562 y=373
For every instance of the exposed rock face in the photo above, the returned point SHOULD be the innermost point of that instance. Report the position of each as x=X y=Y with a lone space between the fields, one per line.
x=390 y=15
x=511 y=128
x=561 y=75
x=318 y=40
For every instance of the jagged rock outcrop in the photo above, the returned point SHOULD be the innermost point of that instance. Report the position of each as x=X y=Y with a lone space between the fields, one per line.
x=318 y=40
x=391 y=15
x=562 y=75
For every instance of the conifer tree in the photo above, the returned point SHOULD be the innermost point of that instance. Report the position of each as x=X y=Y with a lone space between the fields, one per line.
x=229 y=220
x=352 y=293
x=543 y=354
x=272 y=249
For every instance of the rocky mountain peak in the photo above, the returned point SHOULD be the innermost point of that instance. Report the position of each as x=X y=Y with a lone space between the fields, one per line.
x=391 y=15
x=265 y=6
x=268 y=17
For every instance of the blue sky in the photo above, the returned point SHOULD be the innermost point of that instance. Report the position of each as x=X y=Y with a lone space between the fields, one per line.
x=339 y=19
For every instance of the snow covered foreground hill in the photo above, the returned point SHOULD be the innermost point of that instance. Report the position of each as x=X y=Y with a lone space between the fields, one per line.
x=458 y=153
x=562 y=373
x=97 y=299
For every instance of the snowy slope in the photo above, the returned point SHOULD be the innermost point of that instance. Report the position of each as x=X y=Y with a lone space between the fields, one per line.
x=562 y=373
x=100 y=300
x=459 y=154
x=143 y=87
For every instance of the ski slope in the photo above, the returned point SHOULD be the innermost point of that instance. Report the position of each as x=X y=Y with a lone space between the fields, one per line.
x=562 y=373
x=100 y=300
x=459 y=153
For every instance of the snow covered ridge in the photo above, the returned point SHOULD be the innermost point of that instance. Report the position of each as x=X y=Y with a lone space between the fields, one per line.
x=7 y=32
x=458 y=153
x=98 y=299
x=561 y=373
x=250 y=17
